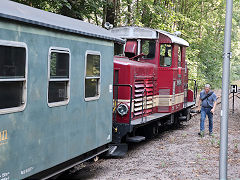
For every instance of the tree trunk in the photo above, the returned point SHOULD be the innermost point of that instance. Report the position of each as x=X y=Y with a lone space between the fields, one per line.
x=117 y=19
x=200 y=24
x=110 y=16
x=104 y=14
x=96 y=18
x=129 y=12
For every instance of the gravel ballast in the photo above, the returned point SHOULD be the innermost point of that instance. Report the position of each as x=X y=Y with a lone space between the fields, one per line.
x=173 y=154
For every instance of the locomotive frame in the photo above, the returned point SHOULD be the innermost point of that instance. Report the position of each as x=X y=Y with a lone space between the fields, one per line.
x=159 y=92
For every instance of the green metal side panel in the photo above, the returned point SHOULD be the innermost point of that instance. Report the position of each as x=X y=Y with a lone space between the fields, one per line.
x=41 y=137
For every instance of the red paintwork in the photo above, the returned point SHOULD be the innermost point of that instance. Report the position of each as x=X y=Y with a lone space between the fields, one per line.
x=130 y=70
x=131 y=47
x=190 y=96
x=149 y=70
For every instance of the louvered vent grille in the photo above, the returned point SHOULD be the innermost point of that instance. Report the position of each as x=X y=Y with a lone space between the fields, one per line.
x=149 y=94
x=138 y=97
x=143 y=97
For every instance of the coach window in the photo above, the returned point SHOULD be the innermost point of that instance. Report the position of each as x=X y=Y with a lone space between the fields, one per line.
x=179 y=56
x=165 y=55
x=148 y=48
x=92 y=75
x=58 y=76
x=13 y=76
x=118 y=49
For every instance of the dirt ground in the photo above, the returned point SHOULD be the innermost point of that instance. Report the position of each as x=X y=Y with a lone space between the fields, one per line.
x=173 y=154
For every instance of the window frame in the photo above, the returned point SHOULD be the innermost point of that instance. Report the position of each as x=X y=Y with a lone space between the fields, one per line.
x=164 y=56
x=85 y=76
x=59 y=50
x=122 y=50
x=179 y=50
x=155 y=48
x=24 y=80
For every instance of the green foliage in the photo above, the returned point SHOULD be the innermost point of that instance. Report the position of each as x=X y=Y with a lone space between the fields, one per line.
x=202 y=25
x=89 y=10
x=200 y=21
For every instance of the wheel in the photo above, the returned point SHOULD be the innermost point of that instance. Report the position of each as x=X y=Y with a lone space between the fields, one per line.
x=155 y=130
x=176 y=123
x=148 y=131
x=187 y=113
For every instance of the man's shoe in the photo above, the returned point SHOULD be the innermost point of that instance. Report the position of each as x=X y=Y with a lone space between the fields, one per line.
x=211 y=134
x=201 y=133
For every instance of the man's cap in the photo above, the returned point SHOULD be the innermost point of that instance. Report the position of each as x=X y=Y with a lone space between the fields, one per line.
x=207 y=86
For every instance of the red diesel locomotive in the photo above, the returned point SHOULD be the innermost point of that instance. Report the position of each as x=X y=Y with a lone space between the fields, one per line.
x=150 y=85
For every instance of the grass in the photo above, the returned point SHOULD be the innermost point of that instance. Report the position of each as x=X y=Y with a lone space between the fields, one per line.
x=163 y=164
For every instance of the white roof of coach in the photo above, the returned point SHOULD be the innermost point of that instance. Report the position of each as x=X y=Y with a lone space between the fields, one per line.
x=146 y=33
x=22 y=13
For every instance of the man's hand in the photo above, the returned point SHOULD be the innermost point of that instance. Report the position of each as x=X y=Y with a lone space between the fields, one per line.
x=199 y=108
x=214 y=106
x=212 y=110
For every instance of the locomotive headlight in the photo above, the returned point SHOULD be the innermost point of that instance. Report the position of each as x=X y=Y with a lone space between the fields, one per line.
x=122 y=109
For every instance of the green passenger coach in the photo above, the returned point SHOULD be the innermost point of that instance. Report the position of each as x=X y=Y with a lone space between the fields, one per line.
x=56 y=76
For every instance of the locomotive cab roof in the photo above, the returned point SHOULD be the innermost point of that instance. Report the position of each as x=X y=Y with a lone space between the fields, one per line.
x=21 y=13
x=147 y=33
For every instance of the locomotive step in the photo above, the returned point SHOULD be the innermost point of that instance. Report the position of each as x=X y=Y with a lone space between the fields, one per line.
x=135 y=139
x=182 y=118
x=117 y=150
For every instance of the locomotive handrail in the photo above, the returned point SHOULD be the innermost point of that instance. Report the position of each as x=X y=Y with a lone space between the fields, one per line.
x=137 y=56
x=142 y=103
x=195 y=89
x=130 y=112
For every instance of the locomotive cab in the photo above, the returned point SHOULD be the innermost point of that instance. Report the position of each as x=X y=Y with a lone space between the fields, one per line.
x=151 y=82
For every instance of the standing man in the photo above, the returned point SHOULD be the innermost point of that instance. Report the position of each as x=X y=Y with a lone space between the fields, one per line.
x=207 y=102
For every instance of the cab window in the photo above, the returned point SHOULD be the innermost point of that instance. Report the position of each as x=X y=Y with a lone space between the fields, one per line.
x=118 y=49
x=148 y=49
x=165 y=55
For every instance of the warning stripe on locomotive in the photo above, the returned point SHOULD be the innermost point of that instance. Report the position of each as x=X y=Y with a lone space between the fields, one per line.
x=158 y=100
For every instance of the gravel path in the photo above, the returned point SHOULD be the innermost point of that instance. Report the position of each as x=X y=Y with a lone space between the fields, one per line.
x=174 y=154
